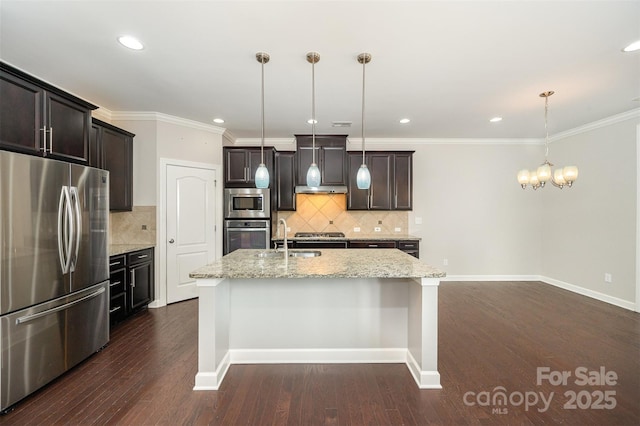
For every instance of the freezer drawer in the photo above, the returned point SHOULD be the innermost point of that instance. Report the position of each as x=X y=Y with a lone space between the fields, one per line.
x=42 y=342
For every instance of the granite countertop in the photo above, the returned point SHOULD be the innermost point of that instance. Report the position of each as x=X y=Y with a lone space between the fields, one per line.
x=353 y=237
x=333 y=263
x=115 y=249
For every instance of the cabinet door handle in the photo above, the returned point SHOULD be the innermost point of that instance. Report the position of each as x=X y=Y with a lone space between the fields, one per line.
x=133 y=279
x=115 y=309
x=50 y=139
x=114 y=283
x=142 y=256
x=114 y=263
x=44 y=140
x=373 y=245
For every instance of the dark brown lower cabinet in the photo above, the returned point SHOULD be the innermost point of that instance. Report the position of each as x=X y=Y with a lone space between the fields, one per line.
x=411 y=247
x=117 y=288
x=131 y=283
x=140 y=278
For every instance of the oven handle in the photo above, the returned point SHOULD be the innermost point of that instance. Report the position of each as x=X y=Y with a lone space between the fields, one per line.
x=248 y=229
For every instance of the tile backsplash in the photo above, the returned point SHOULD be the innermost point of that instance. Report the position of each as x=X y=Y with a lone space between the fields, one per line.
x=328 y=213
x=134 y=227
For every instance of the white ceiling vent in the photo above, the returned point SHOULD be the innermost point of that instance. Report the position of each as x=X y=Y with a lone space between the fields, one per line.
x=341 y=124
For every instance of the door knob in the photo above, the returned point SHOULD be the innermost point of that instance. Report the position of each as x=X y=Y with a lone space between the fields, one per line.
x=171 y=241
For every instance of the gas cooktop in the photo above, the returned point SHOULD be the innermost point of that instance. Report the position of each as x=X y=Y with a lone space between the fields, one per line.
x=319 y=234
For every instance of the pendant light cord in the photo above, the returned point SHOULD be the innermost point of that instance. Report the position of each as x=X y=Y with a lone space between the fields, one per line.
x=262 y=114
x=363 y=67
x=313 y=111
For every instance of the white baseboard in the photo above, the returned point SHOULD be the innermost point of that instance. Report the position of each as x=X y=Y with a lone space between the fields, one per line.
x=424 y=379
x=491 y=278
x=212 y=380
x=556 y=283
x=321 y=356
x=590 y=293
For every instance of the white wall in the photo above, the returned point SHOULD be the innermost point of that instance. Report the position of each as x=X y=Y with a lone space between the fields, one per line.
x=590 y=229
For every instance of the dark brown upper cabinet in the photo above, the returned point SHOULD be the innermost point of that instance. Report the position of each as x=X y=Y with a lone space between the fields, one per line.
x=240 y=165
x=285 y=181
x=111 y=148
x=391 y=181
x=331 y=158
x=39 y=119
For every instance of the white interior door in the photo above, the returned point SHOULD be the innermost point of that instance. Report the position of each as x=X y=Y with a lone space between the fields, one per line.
x=190 y=230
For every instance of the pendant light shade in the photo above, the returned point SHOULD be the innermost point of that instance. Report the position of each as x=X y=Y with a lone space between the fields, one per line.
x=363 y=178
x=313 y=174
x=262 y=173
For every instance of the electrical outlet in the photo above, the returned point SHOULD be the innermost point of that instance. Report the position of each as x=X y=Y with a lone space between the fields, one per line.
x=445 y=262
x=418 y=221
x=608 y=278
x=356 y=229
x=144 y=227
x=377 y=229
x=397 y=229
x=288 y=229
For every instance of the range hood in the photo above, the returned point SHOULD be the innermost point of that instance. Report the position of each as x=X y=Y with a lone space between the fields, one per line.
x=322 y=189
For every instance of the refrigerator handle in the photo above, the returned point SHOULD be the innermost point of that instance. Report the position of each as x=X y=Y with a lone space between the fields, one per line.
x=64 y=237
x=77 y=232
x=31 y=317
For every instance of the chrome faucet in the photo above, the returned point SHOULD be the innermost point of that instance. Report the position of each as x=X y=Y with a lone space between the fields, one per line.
x=286 y=245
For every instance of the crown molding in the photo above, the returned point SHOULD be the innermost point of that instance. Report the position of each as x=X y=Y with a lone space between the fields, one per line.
x=102 y=114
x=165 y=118
x=267 y=141
x=629 y=115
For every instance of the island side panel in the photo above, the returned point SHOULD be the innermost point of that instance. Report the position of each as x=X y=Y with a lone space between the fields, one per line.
x=213 y=333
x=319 y=320
x=422 y=358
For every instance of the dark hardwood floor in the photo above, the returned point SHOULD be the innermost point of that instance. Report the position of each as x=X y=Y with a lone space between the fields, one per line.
x=491 y=335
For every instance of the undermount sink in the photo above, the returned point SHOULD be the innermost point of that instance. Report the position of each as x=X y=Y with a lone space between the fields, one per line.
x=305 y=253
x=270 y=254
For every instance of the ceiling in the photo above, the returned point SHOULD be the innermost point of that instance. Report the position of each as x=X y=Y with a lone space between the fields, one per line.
x=449 y=66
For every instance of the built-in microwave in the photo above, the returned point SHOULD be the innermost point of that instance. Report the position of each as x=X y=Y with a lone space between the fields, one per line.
x=247 y=203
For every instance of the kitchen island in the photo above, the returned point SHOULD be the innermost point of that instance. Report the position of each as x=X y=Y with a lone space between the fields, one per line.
x=344 y=306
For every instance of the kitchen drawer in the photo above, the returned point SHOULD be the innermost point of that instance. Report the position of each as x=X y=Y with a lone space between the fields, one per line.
x=409 y=245
x=117 y=308
x=117 y=282
x=117 y=262
x=140 y=256
x=372 y=244
x=319 y=244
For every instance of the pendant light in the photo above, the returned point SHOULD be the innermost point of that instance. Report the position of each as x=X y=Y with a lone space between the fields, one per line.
x=262 y=173
x=539 y=177
x=363 y=178
x=313 y=174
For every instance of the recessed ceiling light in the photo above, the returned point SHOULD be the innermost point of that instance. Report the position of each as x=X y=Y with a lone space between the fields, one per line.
x=312 y=121
x=218 y=120
x=632 y=47
x=495 y=119
x=404 y=121
x=130 y=42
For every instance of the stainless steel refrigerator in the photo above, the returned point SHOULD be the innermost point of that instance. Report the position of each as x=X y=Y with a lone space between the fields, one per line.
x=54 y=270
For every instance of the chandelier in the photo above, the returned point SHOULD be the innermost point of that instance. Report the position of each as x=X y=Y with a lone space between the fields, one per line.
x=539 y=177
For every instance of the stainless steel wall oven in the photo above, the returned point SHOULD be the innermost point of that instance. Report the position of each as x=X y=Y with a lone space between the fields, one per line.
x=248 y=234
